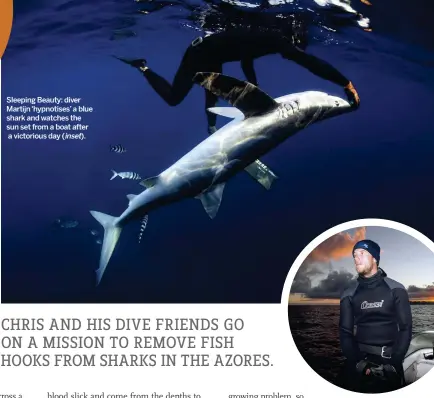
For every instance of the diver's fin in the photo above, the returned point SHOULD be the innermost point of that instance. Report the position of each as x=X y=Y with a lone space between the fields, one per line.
x=261 y=173
x=149 y=182
x=111 y=237
x=211 y=199
x=131 y=196
x=136 y=63
x=226 y=111
x=114 y=175
x=248 y=98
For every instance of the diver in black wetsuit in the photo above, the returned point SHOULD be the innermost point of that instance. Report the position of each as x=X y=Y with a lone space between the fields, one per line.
x=208 y=54
x=380 y=310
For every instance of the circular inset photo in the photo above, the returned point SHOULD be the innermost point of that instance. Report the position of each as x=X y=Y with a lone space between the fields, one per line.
x=361 y=306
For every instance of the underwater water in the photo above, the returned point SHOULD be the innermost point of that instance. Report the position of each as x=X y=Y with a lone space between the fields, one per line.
x=373 y=163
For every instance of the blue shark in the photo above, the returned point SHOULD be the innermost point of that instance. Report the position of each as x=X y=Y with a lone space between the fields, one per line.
x=260 y=124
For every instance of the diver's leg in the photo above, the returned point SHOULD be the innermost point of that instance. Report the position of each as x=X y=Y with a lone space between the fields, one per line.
x=395 y=376
x=182 y=83
x=351 y=377
x=211 y=99
x=174 y=93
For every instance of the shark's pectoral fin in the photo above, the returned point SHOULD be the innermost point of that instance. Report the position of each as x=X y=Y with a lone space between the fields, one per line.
x=211 y=199
x=149 y=182
x=261 y=173
x=227 y=111
x=248 y=98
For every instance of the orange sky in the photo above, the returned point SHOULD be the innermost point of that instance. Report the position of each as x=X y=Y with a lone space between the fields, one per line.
x=297 y=300
x=330 y=266
x=337 y=246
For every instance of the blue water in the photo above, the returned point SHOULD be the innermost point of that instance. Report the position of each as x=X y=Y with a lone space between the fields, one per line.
x=376 y=162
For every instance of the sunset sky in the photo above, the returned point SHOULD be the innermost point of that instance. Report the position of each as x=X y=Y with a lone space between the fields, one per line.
x=329 y=268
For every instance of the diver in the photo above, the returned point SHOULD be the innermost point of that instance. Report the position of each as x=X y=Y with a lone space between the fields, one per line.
x=209 y=53
x=379 y=309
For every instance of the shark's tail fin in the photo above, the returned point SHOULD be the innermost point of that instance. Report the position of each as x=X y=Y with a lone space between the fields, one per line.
x=111 y=237
x=114 y=175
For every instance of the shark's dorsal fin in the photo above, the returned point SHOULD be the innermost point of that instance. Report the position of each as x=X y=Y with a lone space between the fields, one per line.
x=211 y=199
x=149 y=182
x=131 y=196
x=245 y=96
x=227 y=111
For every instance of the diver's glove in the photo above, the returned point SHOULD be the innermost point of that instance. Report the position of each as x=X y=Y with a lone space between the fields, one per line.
x=353 y=97
x=362 y=367
x=370 y=370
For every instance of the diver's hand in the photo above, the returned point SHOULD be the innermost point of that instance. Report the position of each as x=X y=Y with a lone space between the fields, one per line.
x=363 y=367
x=353 y=96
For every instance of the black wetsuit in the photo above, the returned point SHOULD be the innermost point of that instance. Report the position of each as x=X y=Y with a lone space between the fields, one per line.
x=211 y=52
x=379 y=309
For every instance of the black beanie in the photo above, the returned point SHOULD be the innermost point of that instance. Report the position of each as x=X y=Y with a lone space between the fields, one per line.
x=370 y=246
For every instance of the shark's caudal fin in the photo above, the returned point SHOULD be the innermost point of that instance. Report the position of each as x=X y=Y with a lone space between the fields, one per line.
x=248 y=98
x=111 y=237
x=114 y=175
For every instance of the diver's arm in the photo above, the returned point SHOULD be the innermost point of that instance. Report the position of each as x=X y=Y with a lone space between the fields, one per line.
x=346 y=327
x=249 y=70
x=320 y=68
x=403 y=312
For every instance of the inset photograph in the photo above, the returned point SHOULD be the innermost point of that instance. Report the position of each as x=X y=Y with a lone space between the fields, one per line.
x=361 y=309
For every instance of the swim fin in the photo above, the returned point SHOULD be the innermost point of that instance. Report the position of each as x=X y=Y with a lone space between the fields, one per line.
x=136 y=63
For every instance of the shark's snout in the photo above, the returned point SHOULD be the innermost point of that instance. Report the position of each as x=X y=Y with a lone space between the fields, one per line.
x=336 y=106
x=338 y=102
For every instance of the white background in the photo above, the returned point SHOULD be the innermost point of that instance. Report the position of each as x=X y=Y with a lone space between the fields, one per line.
x=266 y=331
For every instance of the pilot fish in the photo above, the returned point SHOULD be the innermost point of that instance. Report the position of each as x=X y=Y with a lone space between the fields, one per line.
x=131 y=175
x=117 y=148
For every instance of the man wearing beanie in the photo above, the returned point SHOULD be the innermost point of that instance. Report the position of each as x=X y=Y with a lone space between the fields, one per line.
x=375 y=325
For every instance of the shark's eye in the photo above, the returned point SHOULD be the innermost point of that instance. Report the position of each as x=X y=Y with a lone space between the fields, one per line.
x=337 y=103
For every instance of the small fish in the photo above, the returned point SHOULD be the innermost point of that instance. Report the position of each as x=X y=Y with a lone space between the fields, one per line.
x=131 y=175
x=94 y=232
x=143 y=226
x=99 y=241
x=117 y=148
